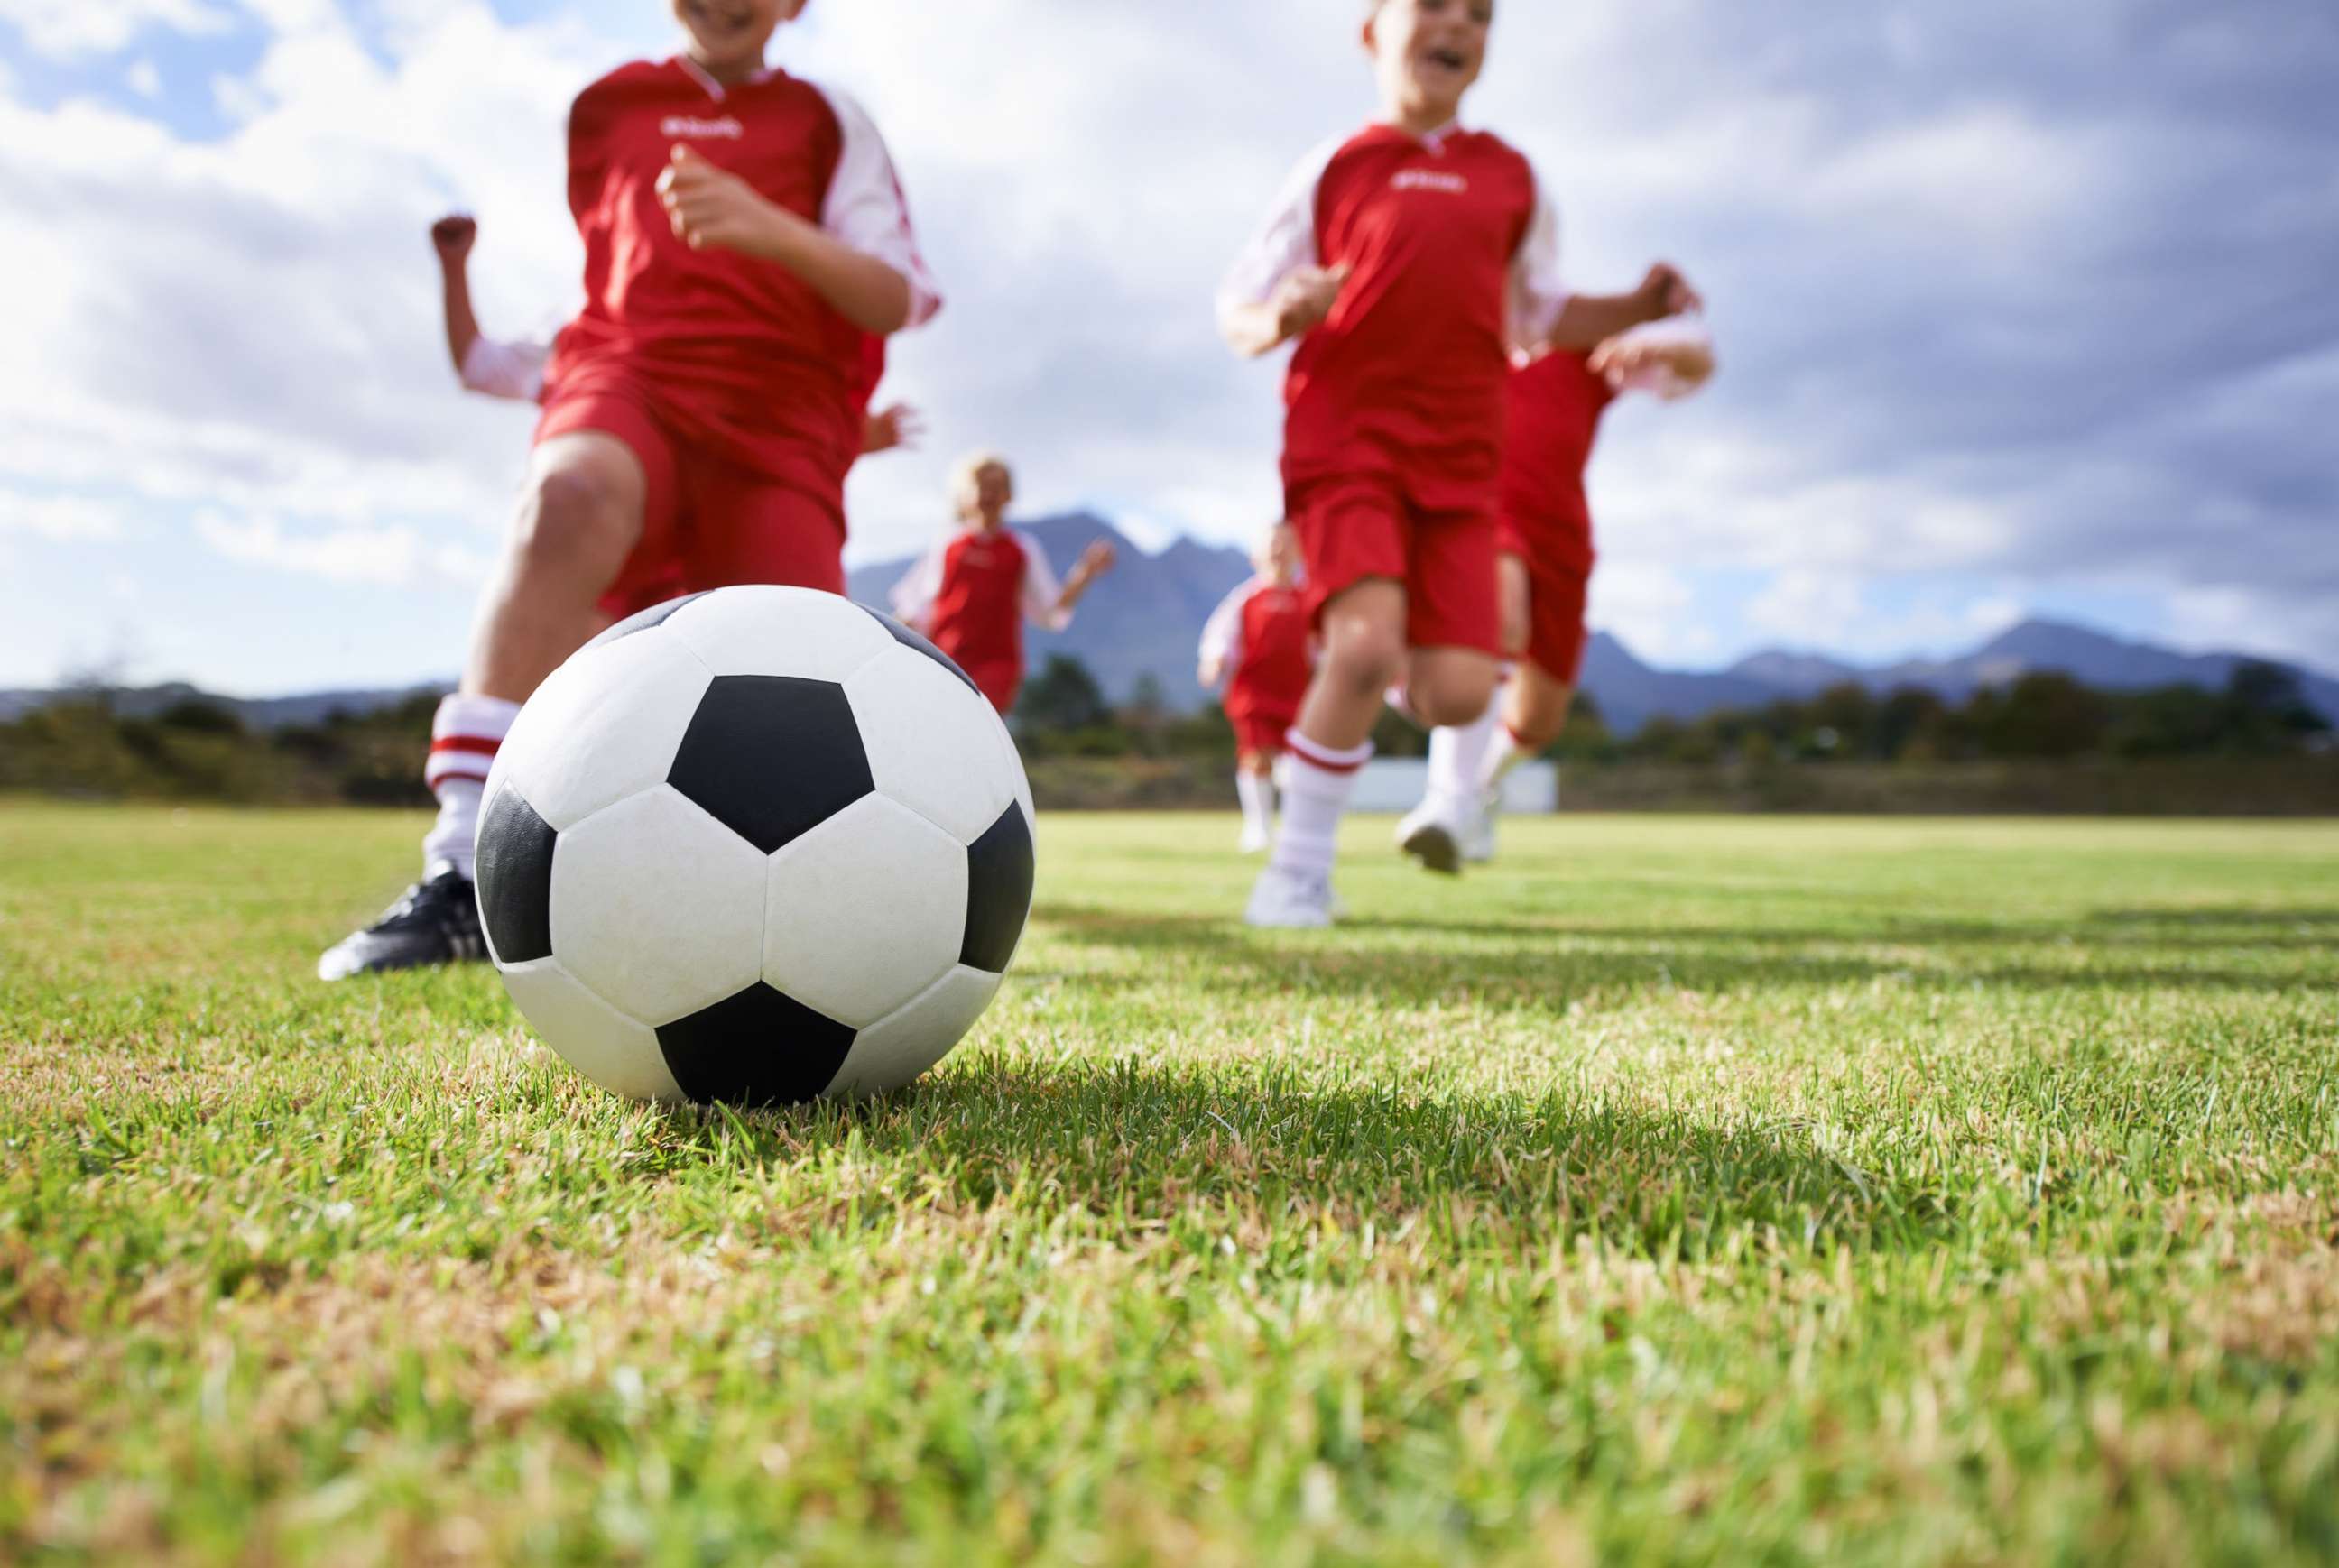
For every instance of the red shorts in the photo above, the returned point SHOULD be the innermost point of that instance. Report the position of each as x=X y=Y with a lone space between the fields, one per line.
x=998 y=680
x=1261 y=732
x=1352 y=527
x=1558 y=559
x=706 y=521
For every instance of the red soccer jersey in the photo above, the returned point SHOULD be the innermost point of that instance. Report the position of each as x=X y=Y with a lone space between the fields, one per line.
x=1555 y=404
x=1454 y=254
x=971 y=595
x=1260 y=636
x=739 y=354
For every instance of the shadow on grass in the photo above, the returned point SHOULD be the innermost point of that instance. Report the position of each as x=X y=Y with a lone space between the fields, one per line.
x=1545 y=962
x=1142 y=1148
x=2249 y=919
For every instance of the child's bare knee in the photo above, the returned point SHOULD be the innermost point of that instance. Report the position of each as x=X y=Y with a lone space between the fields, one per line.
x=1366 y=659
x=573 y=511
x=1451 y=691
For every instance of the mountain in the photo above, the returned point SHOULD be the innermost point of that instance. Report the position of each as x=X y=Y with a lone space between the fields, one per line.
x=2092 y=658
x=1144 y=616
x=1630 y=692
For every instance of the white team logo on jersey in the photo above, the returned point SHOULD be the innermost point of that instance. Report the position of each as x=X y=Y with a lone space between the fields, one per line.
x=679 y=125
x=1429 y=179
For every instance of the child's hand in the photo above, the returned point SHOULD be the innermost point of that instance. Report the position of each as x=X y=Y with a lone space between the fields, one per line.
x=1666 y=292
x=1098 y=558
x=899 y=425
x=711 y=206
x=452 y=236
x=1302 y=301
x=1672 y=366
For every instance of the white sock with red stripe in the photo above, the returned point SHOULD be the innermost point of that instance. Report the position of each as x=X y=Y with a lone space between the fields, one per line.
x=1457 y=757
x=464 y=736
x=1317 y=783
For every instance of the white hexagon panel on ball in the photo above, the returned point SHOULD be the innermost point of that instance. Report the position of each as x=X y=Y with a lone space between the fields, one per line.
x=932 y=743
x=615 y=1052
x=603 y=726
x=865 y=912
x=895 y=1049
x=657 y=907
x=772 y=631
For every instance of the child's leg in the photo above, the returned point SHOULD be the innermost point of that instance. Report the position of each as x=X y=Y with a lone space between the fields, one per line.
x=1536 y=709
x=579 y=518
x=1363 y=632
x=1457 y=753
x=1255 y=784
x=595 y=485
x=1532 y=715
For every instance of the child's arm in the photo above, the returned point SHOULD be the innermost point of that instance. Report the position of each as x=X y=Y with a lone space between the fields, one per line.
x=1587 y=320
x=914 y=596
x=1671 y=360
x=1094 y=562
x=482 y=364
x=500 y=369
x=712 y=206
x=1277 y=289
x=1222 y=639
x=452 y=237
x=887 y=430
x=1047 y=605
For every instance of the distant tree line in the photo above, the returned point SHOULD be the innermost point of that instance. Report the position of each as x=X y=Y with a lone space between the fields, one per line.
x=2260 y=713
x=198 y=749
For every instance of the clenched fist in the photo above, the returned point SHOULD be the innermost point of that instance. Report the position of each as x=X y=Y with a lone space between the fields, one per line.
x=452 y=237
x=712 y=206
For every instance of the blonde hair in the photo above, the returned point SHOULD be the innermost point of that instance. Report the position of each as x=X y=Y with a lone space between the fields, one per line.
x=966 y=478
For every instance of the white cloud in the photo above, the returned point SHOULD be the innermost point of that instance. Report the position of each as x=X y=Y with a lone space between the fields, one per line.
x=62 y=517
x=143 y=78
x=65 y=29
x=1651 y=606
x=1811 y=608
x=383 y=557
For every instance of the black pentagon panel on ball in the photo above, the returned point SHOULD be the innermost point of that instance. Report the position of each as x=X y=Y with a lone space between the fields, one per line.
x=998 y=891
x=914 y=642
x=515 y=878
x=771 y=757
x=643 y=620
x=760 y=1047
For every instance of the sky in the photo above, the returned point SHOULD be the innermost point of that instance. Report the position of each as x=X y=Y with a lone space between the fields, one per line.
x=2023 y=310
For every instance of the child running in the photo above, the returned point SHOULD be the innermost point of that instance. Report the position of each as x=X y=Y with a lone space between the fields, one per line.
x=972 y=592
x=513 y=369
x=1408 y=261
x=1555 y=406
x=745 y=238
x=1257 y=642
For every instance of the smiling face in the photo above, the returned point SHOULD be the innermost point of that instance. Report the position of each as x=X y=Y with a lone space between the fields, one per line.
x=982 y=486
x=728 y=37
x=1427 y=54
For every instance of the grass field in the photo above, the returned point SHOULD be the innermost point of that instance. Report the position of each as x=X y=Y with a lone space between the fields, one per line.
x=1684 y=1190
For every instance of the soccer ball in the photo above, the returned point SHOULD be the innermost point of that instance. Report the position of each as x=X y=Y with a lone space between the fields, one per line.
x=755 y=845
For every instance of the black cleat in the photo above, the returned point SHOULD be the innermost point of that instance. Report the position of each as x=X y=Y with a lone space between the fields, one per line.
x=436 y=921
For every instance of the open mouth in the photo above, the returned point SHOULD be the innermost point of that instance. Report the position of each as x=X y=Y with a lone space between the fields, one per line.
x=1448 y=59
